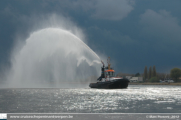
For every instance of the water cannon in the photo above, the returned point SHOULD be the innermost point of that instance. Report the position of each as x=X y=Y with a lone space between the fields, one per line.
x=102 y=63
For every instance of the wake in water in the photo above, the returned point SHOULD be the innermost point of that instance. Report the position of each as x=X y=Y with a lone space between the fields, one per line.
x=53 y=57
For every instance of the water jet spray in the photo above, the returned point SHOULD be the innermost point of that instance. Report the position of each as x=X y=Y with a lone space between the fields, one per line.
x=51 y=57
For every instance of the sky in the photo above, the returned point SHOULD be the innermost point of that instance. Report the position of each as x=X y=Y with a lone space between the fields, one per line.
x=134 y=33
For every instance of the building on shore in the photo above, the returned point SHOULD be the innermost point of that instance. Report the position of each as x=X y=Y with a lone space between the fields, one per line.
x=136 y=79
x=128 y=77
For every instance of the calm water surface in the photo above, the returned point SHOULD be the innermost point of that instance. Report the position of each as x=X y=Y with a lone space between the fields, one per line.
x=134 y=99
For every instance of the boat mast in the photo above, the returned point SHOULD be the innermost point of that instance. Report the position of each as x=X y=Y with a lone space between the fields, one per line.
x=109 y=63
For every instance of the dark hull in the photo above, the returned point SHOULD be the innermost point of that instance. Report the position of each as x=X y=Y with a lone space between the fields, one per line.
x=116 y=84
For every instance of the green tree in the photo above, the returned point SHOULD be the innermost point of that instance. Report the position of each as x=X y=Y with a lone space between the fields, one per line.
x=154 y=72
x=150 y=73
x=145 y=75
x=154 y=79
x=175 y=73
x=137 y=74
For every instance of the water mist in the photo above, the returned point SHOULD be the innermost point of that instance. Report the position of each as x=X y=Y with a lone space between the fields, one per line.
x=53 y=57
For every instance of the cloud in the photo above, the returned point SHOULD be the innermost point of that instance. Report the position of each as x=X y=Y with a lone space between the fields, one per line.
x=111 y=36
x=112 y=9
x=104 y=9
x=160 y=27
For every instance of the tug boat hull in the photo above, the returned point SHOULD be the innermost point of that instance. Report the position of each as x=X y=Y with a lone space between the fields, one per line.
x=113 y=84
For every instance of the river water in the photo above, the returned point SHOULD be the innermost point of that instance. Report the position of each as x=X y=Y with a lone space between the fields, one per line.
x=134 y=99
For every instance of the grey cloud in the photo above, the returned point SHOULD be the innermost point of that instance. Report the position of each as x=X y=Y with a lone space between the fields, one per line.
x=117 y=37
x=161 y=24
x=110 y=42
x=105 y=9
x=97 y=9
x=113 y=9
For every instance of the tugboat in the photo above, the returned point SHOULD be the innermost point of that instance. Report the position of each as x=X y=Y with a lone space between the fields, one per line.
x=107 y=80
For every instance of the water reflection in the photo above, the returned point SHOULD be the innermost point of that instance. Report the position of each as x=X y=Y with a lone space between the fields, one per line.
x=134 y=99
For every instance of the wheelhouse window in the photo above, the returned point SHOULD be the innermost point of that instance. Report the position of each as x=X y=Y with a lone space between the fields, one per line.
x=110 y=74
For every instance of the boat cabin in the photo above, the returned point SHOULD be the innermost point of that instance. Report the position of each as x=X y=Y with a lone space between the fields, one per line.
x=109 y=73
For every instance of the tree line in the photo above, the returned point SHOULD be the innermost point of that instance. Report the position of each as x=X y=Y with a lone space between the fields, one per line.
x=153 y=76
x=149 y=74
x=175 y=73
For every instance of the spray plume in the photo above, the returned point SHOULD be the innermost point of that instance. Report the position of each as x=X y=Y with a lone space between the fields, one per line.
x=52 y=57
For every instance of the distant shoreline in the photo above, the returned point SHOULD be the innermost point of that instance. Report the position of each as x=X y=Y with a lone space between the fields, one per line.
x=175 y=84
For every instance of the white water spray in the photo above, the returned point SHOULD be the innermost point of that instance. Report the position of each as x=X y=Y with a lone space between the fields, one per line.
x=53 y=57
